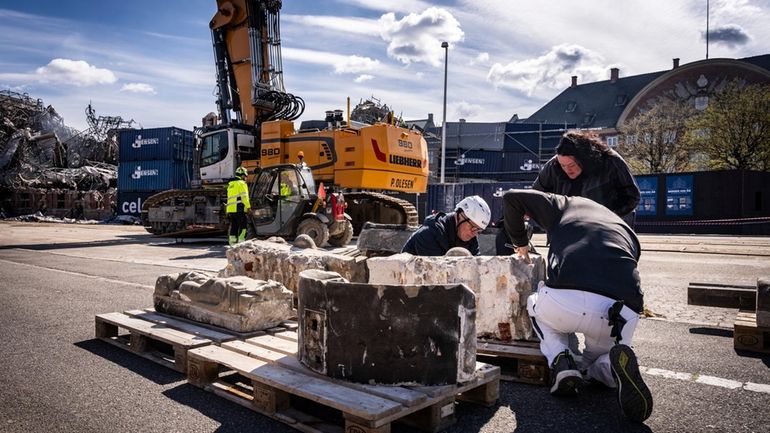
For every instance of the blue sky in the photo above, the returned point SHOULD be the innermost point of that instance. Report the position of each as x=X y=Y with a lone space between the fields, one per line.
x=152 y=61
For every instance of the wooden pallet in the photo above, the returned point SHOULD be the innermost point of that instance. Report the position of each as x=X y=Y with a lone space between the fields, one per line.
x=262 y=373
x=156 y=337
x=520 y=361
x=748 y=336
x=287 y=325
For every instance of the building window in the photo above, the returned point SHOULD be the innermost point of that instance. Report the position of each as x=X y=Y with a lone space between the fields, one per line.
x=612 y=141
x=620 y=100
x=571 y=106
x=588 y=119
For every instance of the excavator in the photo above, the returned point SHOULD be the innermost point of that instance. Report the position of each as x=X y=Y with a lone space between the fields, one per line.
x=255 y=129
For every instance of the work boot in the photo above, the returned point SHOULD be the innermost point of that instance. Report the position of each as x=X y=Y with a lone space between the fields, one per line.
x=633 y=395
x=231 y=240
x=242 y=235
x=565 y=376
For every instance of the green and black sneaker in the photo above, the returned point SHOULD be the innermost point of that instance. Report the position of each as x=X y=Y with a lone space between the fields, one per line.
x=566 y=379
x=633 y=395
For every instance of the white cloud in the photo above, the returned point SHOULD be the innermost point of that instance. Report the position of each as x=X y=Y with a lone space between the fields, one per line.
x=355 y=65
x=464 y=110
x=363 y=77
x=418 y=37
x=138 y=88
x=390 y=6
x=734 y=8
x=360 y=26
x=551 y=70
x=75 y=72
x=482 y=58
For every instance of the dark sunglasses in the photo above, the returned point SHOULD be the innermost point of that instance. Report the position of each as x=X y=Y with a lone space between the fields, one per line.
x=474 y=227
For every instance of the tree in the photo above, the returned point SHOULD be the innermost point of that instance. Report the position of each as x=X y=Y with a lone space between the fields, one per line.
x=734 y=130
x=653 y=140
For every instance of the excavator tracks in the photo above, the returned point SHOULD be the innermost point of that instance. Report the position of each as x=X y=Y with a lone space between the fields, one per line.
x=179 y=209
x=379 y=208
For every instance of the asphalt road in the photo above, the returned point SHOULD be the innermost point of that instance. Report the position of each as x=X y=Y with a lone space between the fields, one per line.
x=57 y=377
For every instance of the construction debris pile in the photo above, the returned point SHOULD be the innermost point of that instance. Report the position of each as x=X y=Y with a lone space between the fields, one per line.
x=51 y=168
x=373 y=111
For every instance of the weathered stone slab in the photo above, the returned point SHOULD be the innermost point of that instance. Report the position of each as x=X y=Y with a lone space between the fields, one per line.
x=502 y=285
x=239 y=303
x=283 y=262
x=386 y=334
x=763 y=302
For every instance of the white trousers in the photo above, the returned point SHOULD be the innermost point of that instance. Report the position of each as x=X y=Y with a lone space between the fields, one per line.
x=556 y=313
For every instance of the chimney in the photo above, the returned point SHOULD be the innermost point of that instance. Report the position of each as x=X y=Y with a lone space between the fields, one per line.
x=462 y=120
x=574 y=81
x=430 y=117
x=676 y=63
x=614 y=72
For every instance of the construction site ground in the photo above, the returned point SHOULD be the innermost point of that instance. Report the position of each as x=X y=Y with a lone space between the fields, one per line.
x=58 y=377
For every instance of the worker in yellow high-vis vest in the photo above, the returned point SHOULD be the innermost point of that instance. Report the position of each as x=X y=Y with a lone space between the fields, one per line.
x=237 y=206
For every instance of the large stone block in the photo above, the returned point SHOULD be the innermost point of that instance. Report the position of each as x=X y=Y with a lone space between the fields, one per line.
x=385 y=334
x=502 y=285
x=283 y=262
x=239 y=303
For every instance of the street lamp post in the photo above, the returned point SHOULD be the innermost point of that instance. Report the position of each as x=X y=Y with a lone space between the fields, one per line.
x=445 y=46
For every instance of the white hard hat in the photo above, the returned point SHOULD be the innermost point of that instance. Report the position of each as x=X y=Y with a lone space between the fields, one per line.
x=476 y=209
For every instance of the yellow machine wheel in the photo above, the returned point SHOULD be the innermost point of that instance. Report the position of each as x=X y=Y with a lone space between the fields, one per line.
x=343 y=238
x=314 y=228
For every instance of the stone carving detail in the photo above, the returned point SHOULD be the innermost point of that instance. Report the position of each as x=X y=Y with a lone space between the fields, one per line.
x=283 y=262
x=502 y=285
x=238 y=303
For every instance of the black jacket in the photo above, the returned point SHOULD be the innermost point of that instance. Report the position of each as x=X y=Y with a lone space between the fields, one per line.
x=610 y=184
x=438 y=235
x=591 y=249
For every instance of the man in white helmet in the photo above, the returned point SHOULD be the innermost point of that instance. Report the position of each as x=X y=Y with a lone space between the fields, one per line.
x=442 y=232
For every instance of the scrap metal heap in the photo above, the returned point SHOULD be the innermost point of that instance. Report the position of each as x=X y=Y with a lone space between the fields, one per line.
x=372 y=111
x=40 y=156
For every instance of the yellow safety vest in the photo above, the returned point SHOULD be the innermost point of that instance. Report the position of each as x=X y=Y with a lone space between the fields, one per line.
x=285 y=190
x=237 y=192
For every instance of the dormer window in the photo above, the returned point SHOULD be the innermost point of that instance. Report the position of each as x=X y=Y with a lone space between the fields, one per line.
x=620 y=100
x=571 y=106
x=588 y=119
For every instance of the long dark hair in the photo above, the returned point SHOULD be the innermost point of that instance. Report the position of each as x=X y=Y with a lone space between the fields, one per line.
x=587 y=148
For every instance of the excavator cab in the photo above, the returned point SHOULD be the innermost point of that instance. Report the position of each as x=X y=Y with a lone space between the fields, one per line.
x=286 y=203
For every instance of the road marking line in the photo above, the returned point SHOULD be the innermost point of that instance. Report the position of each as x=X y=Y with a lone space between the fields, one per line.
x=109 y=280
x=718 y=381
x=757 y=387
x=706 y=380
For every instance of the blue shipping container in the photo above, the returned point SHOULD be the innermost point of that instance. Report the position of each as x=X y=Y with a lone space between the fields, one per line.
x=520 y=166
x=479 y=164
x=130 y=203
x=444 y=197
x=533 y=137
x=156 y=143
x=154 y=175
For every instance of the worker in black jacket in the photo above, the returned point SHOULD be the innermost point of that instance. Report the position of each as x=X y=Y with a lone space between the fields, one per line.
x=442 y=232
x=592 y=287
x=585 y=166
